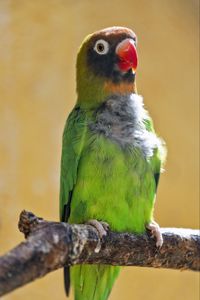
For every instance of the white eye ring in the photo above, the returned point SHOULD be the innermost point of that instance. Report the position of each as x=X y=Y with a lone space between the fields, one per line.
x=101 y=47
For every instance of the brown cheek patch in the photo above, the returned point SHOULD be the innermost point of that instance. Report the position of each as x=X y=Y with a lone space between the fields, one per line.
x=120 y=88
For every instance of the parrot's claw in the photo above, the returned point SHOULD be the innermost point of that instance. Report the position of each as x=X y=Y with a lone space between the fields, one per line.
x=155 y=231
x=105 y=226
x=102 y=228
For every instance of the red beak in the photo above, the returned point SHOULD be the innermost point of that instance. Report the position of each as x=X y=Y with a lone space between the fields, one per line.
x=127 y=54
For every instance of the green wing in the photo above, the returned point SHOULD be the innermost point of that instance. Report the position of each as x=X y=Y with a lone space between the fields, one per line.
x=72 y=146
x=159 y=155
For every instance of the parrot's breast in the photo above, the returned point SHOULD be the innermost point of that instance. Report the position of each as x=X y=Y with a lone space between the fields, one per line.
x=115 y=180
x=121 y=119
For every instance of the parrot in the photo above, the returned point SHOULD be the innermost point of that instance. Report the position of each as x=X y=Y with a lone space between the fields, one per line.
x=111 y=156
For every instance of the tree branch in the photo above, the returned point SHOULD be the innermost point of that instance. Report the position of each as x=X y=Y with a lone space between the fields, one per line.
x=51 y=245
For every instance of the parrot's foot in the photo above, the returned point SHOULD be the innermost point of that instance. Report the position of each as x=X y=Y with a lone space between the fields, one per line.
x=102 y=228
x=155 y=231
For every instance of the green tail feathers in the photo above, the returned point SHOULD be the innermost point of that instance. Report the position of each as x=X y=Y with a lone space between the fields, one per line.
x=93 y=282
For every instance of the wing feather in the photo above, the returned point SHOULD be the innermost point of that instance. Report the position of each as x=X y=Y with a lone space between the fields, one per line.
x=72 y=146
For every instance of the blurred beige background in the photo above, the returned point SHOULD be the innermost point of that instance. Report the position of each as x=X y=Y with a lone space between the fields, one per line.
x=38 y=45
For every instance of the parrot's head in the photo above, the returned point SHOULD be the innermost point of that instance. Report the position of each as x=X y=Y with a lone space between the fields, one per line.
x=106 y=64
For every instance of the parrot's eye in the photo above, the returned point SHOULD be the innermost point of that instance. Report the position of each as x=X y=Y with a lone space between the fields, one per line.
x=101 y=47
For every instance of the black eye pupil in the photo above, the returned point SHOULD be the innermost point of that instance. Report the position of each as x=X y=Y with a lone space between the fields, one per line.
x=100 y=47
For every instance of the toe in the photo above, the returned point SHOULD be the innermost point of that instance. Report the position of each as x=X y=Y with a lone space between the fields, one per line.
x=98 y=226
x=101 y=228
x=155 y=231
x=105 y=225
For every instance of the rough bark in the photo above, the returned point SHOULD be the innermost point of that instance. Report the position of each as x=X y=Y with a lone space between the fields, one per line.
x=51 y=245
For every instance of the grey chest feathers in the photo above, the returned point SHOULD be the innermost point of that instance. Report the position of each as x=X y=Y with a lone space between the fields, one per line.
x=122 y=119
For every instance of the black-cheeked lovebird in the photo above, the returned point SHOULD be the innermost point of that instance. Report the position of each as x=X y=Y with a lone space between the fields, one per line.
x=111 y=156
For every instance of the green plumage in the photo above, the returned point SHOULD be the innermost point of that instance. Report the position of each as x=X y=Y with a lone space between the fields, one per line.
x=103 y=180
